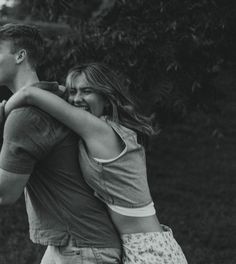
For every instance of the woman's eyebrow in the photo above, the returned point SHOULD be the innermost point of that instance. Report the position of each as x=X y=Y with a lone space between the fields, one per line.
x=81 y=88
x=86 y=87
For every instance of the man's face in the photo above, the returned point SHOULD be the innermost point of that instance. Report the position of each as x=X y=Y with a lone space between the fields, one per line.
x=7 y=63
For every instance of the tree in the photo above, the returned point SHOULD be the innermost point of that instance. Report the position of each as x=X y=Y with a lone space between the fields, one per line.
x=169 y=51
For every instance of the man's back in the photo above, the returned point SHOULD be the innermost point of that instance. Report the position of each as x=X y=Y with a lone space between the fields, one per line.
x=60 y=205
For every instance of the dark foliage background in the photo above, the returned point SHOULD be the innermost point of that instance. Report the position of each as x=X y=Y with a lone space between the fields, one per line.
x=178 y=59
x=169 y=51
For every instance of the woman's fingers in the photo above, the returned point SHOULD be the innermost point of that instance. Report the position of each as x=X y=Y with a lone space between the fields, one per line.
x=62 y=92
x=62 y=88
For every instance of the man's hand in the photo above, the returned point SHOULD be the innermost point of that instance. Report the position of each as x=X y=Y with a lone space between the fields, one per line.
x=2 y=112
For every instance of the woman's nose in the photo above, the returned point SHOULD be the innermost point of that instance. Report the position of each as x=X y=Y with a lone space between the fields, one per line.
x=78 y=98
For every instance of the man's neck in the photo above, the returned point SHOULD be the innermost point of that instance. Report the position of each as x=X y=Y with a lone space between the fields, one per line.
x=23 y=79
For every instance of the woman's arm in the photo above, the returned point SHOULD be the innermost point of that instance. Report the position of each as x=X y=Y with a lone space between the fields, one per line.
x=100 y=138
x=80 y=121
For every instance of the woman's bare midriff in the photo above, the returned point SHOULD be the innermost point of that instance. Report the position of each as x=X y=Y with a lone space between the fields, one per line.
x=130 y=224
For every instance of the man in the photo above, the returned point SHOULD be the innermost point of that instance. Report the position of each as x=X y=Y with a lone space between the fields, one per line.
x=39 y=155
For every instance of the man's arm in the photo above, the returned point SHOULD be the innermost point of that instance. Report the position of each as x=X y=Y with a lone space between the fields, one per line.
x=27 y=139
x=11 y=186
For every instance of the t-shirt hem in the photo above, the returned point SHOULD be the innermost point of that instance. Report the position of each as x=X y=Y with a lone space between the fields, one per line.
x=80 y=245
x=63 y=240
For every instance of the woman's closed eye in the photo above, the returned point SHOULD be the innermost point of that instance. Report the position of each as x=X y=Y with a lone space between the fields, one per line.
x=72 y=91
x=87 y=91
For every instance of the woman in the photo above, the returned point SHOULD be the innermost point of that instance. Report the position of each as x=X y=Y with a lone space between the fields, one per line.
x=111 y=156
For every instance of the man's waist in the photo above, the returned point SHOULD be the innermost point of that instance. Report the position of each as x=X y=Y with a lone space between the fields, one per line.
x=65 y=238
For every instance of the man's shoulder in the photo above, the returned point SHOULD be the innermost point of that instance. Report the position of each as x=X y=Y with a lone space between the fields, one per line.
x=31 y=113
x=34 y=119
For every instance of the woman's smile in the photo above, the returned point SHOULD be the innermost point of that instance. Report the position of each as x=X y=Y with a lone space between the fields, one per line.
x=84 y=96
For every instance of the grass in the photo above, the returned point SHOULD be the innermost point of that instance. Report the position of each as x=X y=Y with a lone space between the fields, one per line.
x=193 y=183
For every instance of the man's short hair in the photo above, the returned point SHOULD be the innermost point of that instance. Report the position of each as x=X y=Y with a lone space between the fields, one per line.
x=25 y=37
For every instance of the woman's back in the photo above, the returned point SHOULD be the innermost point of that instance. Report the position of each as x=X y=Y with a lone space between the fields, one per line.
x=121 y=182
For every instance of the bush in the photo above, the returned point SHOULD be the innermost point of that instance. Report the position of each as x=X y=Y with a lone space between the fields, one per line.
x=169 y=51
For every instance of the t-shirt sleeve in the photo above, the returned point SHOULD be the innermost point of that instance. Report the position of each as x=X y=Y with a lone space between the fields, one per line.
x=27 y=138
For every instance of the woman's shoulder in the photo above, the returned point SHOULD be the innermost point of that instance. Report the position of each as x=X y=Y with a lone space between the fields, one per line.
x=117 y=126
x=128 y=135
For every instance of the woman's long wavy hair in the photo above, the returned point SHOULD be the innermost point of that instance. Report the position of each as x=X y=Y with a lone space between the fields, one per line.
x=121 y=107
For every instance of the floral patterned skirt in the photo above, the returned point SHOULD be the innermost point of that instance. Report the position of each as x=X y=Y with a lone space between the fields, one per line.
x=152 y=248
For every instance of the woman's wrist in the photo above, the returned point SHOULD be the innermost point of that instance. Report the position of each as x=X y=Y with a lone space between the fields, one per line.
x=26 y=95
x=20 y=98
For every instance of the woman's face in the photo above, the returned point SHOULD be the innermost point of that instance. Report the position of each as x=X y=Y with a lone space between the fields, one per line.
x=82 y=95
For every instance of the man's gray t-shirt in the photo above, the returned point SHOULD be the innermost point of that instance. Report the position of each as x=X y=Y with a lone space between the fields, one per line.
x=59 y=203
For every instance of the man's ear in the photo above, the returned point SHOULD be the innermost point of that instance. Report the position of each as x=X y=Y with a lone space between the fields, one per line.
x=20 y=56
